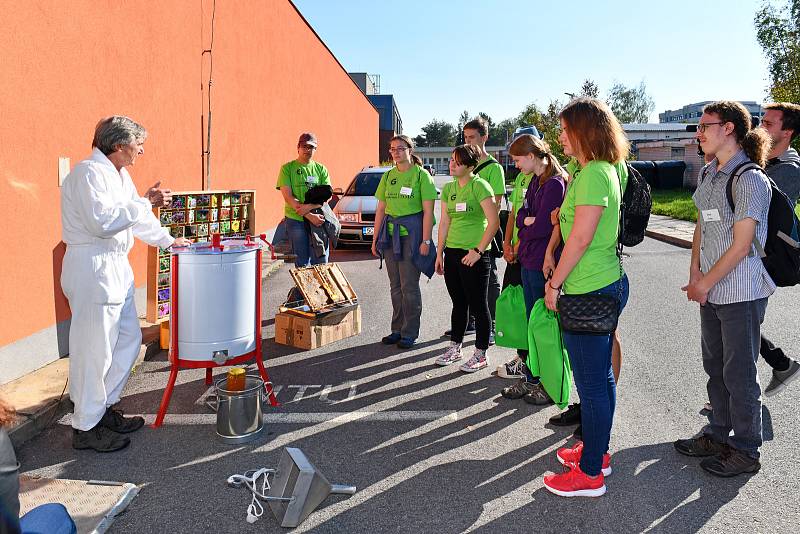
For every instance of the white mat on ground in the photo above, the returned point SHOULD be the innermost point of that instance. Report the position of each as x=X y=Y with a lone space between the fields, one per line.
x=92 y=504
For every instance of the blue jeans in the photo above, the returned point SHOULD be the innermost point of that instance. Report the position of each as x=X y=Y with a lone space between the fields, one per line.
x=532 y=290
x=301 y=244
x=590 y=356
x=51 y=518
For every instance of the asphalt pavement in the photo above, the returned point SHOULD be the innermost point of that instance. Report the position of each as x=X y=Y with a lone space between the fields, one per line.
x=432 y=449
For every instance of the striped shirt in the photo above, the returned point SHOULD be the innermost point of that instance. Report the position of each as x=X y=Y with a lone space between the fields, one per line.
x=749 y=279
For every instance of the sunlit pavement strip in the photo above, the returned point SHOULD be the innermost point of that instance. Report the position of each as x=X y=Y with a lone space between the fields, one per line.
x=362 y=416
x=476 y=450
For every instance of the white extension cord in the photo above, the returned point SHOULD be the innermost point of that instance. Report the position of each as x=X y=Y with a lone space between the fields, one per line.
x=250 y=479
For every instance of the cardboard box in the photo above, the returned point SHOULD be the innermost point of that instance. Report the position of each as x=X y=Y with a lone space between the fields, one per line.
x=310 y=333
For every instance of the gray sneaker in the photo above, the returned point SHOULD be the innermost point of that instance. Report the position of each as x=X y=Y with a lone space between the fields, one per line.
x=781 y=379
x=538 y=396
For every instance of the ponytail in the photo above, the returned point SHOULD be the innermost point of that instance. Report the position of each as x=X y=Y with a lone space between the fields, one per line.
x=757 y=144
x=415 y=159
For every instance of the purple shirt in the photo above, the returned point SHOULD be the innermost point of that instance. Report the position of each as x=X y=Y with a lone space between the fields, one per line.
x=539 y=202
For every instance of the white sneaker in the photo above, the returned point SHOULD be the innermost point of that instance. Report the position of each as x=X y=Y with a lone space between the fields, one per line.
x=451 y=355
x=476 y=363
x=512 y=369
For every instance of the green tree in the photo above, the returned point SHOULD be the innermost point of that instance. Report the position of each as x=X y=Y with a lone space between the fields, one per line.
x=630 y=104
x=778 y=33
x=590 y=89
x=436 y=133
x=546 y=121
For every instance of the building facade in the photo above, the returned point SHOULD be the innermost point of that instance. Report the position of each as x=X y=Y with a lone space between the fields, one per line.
x=69 y=64
x=691 y=113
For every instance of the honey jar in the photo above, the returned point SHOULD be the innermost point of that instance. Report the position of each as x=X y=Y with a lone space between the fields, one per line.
x=236 y=379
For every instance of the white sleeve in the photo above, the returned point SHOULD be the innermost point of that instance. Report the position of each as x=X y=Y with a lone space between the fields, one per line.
x=102 y=216
x=147 y=227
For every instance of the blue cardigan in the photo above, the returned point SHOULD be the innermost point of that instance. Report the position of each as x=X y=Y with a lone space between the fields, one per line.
x=412 y=223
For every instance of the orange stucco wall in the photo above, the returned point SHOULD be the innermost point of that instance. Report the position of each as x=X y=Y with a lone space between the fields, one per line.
x=67 y=64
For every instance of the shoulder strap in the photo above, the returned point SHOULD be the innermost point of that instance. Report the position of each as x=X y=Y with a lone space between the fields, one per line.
x=730 y=194
x=483 y=165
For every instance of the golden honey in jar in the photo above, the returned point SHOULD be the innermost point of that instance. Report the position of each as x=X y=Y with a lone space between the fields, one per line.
x=236 y=379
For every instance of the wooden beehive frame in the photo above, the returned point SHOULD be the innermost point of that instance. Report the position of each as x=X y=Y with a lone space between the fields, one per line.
x=323 y=286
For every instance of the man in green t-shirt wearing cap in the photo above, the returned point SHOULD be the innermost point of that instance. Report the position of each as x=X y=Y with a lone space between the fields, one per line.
x=294 y=180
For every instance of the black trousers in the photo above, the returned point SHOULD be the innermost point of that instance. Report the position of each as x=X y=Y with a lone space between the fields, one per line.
x=773 y=355
x=494 y=288
x=468 y=287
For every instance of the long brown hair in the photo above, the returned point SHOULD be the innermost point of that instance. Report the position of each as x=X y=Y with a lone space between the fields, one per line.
x=410 y=143
x=528 y=144
x=755 y=142
x=595 y=131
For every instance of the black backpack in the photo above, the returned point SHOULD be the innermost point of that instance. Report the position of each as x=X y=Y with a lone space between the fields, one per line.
x=634 y=211
x=781 y=251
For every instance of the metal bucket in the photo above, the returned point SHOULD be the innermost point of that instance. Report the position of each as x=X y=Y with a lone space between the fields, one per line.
x=240 y=418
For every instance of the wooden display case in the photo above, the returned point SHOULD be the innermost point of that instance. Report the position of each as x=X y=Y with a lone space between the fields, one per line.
x=195 y=215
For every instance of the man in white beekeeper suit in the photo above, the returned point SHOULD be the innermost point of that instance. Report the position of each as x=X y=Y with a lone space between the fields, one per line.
x=101 y=213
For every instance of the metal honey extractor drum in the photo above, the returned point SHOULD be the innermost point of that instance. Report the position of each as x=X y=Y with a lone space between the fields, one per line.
x=215 y=302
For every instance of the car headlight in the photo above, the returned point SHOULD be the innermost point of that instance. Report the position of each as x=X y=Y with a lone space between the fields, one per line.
x=348 y=217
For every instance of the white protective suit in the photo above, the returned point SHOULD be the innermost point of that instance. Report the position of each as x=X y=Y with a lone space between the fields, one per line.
x=101 y=213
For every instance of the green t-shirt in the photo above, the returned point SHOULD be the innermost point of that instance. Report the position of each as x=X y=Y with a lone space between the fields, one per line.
x=596 y=184
x=403 y=192
x=517 y=199
x=622 y=170
x=301 y=178
x=494 y=175
x=467 y=220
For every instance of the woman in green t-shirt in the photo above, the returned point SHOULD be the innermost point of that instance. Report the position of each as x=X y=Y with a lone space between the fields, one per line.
x=406 y=193
x=469 y=222
x=589 y=222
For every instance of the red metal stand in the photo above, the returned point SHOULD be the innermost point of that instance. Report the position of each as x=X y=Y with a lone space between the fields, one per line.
x=177 y=363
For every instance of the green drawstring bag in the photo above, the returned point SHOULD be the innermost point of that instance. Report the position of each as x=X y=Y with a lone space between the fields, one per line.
x=511 y=322
x=547 y=356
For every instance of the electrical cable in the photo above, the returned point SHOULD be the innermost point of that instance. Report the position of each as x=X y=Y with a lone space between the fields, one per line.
x=210 y=52
x=250 y=480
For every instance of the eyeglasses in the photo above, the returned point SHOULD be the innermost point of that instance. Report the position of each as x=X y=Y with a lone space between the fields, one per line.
x=308 y=147
x=398 y=149
x=701 y=127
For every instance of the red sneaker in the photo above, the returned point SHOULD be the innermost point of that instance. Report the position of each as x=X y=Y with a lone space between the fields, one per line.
x=575 y=483
x=572 y=456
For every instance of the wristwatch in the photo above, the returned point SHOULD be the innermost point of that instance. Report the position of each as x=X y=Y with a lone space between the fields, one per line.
x=476 y=249
x=427 y=241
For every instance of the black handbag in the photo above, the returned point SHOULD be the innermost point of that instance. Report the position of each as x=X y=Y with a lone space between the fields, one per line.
x=588 y=314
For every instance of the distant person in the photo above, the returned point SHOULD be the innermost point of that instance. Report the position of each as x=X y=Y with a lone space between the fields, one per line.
x=589 y=264
x=476 y=133
x=533 y=157
x=782 y=122
x=732 y=286
x=404 y=220
x=101 y=214
x=469 y=222
x=294 y=180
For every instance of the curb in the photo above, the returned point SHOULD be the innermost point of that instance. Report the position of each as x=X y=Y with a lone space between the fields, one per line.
x=672 y=240
x=29 y=426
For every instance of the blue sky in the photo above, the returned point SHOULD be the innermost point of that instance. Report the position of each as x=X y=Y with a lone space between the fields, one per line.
x=440 y=57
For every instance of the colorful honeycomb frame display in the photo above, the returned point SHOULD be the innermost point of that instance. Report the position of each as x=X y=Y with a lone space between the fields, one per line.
x=195 y=215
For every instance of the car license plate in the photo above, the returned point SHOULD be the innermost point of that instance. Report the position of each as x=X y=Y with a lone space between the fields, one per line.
x=368 y=230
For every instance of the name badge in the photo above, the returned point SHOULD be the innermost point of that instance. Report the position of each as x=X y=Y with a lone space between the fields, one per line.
x=405 y=191
x=461 y=206
x=312 y=180
x=710 y=215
